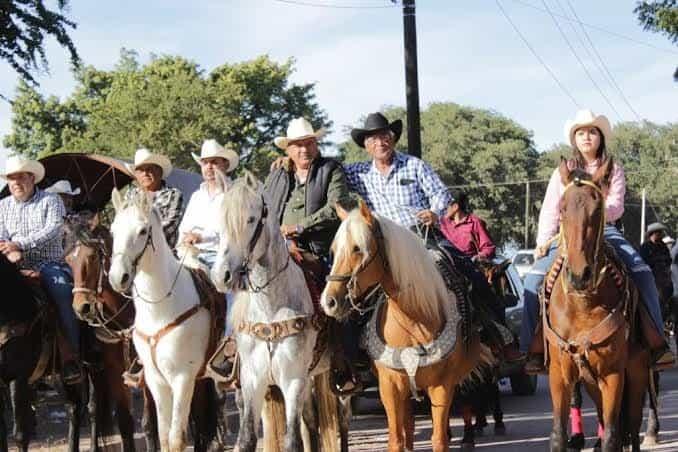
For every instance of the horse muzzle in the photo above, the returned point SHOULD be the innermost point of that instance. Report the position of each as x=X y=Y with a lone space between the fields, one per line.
x=120 y=275
x=336 y=307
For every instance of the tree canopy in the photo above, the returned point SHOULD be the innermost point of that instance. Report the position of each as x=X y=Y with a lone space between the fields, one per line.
x=170 y=105
x=24 y=24
x=660 y=17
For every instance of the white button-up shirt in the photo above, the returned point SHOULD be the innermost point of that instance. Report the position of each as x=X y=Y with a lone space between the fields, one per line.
x=202 y=217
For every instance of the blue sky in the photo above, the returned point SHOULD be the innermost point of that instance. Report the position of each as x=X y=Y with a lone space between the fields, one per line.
x=468 y=53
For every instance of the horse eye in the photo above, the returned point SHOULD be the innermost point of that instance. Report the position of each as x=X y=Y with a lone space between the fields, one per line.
x=250 y=220
x=143 y=231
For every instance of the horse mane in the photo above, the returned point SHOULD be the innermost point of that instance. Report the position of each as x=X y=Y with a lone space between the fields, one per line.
x=422 y=291
x=21 y=305
x=236 y=205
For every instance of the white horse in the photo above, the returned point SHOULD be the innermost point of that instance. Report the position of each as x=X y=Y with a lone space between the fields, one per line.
x=171 y=328
x=273 y=322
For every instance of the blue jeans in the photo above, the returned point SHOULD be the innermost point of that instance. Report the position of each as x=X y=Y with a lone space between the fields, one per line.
x=640 y=273
x=58 y=283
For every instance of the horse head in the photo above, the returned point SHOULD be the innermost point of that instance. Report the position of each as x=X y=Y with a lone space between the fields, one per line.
x=87 y=252
x=582 y=216
x=132 y=232
x=246 y=232
x=359 y=262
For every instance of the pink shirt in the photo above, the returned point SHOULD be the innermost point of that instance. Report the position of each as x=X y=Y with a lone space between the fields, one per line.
x=549 y=217
x=469 y=236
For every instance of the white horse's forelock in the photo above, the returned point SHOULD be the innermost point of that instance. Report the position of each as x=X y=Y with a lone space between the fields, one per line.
x=236 y=208
x=421 y=287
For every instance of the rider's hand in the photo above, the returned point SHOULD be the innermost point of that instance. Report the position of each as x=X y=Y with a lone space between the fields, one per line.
x=14 y=256
x=9 y=247
x=540 y=251
x=192 y=238
x=427 y=217
x=290 y=230
x=282 y=162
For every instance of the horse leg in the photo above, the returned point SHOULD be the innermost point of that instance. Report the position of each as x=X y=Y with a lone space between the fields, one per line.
x=22 y=410
x=252 y=403
x=182 y=394
x=162 y=395
x=635 y=388
x=409 y=424
x=344 y=421
x=123 y=413
x=497 y=412
x=652 y=416
x=560 y=398
x=149 y=421
x=441 y=399
x=294 y=392
x=74 y=410
x=577 y=439
x=204 y=415
x=468 y=441
x=309 y=415
x=394 y=399
x=92 y=403
x=611 y=388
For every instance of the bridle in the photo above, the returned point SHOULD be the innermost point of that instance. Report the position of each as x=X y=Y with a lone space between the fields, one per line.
x=359 y=302
x=245 y=269
x=599 y=264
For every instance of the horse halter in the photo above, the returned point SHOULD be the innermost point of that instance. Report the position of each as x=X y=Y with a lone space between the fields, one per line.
x=598 y=265
x=351 y=279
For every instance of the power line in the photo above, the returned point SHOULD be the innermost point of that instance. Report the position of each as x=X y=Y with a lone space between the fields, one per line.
x=595 y=27
x=536 y=55
x=600 y=58
x=336 y=6
x=569 y=44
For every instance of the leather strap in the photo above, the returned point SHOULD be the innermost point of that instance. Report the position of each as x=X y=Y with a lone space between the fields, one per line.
x=276 y=331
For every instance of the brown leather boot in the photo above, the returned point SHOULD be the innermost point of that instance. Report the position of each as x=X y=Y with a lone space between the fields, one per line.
x=535 y=355
x=661 y=356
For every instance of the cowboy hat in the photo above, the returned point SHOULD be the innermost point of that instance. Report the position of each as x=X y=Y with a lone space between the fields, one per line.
x=211 y=149
x=20 y=164
x=145 y=157
x=376 y=122
x=586 y=118
x=63 y=187
x=655 y=227
x=298 y=129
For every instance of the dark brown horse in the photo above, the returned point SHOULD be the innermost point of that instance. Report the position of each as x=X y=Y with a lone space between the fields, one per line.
x=589 y=321
x=95 y=302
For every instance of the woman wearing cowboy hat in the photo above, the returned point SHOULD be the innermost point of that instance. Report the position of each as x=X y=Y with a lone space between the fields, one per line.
x=150 y=171
x=587 y=134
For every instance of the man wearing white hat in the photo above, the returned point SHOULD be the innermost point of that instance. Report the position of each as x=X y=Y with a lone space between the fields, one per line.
x=150 y=171
x=198 y=227
x=30 y=235
x=66 y=193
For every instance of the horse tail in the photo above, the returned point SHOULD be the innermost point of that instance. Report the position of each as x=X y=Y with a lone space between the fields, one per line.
x=328 y=410
x=274 y=420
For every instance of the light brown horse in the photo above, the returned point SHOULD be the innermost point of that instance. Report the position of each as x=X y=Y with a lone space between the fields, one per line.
x=372 y=251
x=590 y=314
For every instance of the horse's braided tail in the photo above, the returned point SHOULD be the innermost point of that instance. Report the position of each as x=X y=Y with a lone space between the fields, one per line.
x=328 y=411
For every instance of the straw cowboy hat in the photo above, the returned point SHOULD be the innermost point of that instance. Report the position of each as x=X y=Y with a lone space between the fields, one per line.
x=211 y=149
x=145 y=157
x=655 y=227
x=376 y=122
x=20 y=164
x=63 y=187
x=298 y=129
x=586 y=118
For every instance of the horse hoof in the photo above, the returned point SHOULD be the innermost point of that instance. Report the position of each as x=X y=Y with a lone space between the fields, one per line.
x=500 y=429
x=650 y=440
x=467 y=447
x=598 y=447
x=576 y=442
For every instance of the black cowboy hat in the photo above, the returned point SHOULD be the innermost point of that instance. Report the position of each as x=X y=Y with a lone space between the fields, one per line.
x=376 y=122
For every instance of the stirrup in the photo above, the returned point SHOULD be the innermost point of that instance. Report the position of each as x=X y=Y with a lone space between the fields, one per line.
x=224 y=365
x=134 y=379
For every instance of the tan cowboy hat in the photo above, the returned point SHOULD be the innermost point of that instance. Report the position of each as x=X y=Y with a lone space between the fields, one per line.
x=20 y=164
x=63 y=187
x=298 y=129
x=145 y=157
x=586 y=118
x=211 y=149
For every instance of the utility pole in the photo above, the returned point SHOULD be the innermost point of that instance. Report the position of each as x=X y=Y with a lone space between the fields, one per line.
x=411 y=79
x=642 y=217
x=527 y=214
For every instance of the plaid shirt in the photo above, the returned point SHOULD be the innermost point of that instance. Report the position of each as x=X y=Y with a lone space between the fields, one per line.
x=168 y=201
x=35 y=225
x=410 y=186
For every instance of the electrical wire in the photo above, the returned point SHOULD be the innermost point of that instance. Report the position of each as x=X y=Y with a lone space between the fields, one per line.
x=336 y=6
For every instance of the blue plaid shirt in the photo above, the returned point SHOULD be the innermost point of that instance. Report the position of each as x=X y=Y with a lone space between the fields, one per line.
x=35 y=225
x=410 y=186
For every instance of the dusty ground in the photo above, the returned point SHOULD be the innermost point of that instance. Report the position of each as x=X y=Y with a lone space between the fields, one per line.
x=528 y=420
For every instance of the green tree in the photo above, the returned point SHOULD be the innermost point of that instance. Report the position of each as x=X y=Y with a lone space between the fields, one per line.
x=474 y=148
x=170 y=105
x=659 y=16
x=24 y=24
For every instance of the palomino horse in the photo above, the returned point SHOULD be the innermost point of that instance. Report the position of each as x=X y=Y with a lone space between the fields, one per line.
x=584 y=322
x=27 y=353
x=275 y=325
x=412 y=336
x=171 y=327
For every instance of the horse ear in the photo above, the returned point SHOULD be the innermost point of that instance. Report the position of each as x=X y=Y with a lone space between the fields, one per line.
x=251 y=180
x=116 y=199
x=564 y=171
x=365 y=212
x=602 y=174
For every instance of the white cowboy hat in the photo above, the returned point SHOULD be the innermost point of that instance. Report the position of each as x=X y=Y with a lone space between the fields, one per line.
x=145 y=157
x=211 y=149
x=20 y=164
x=63 y=187
x=298 y=129
x=585 y=118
